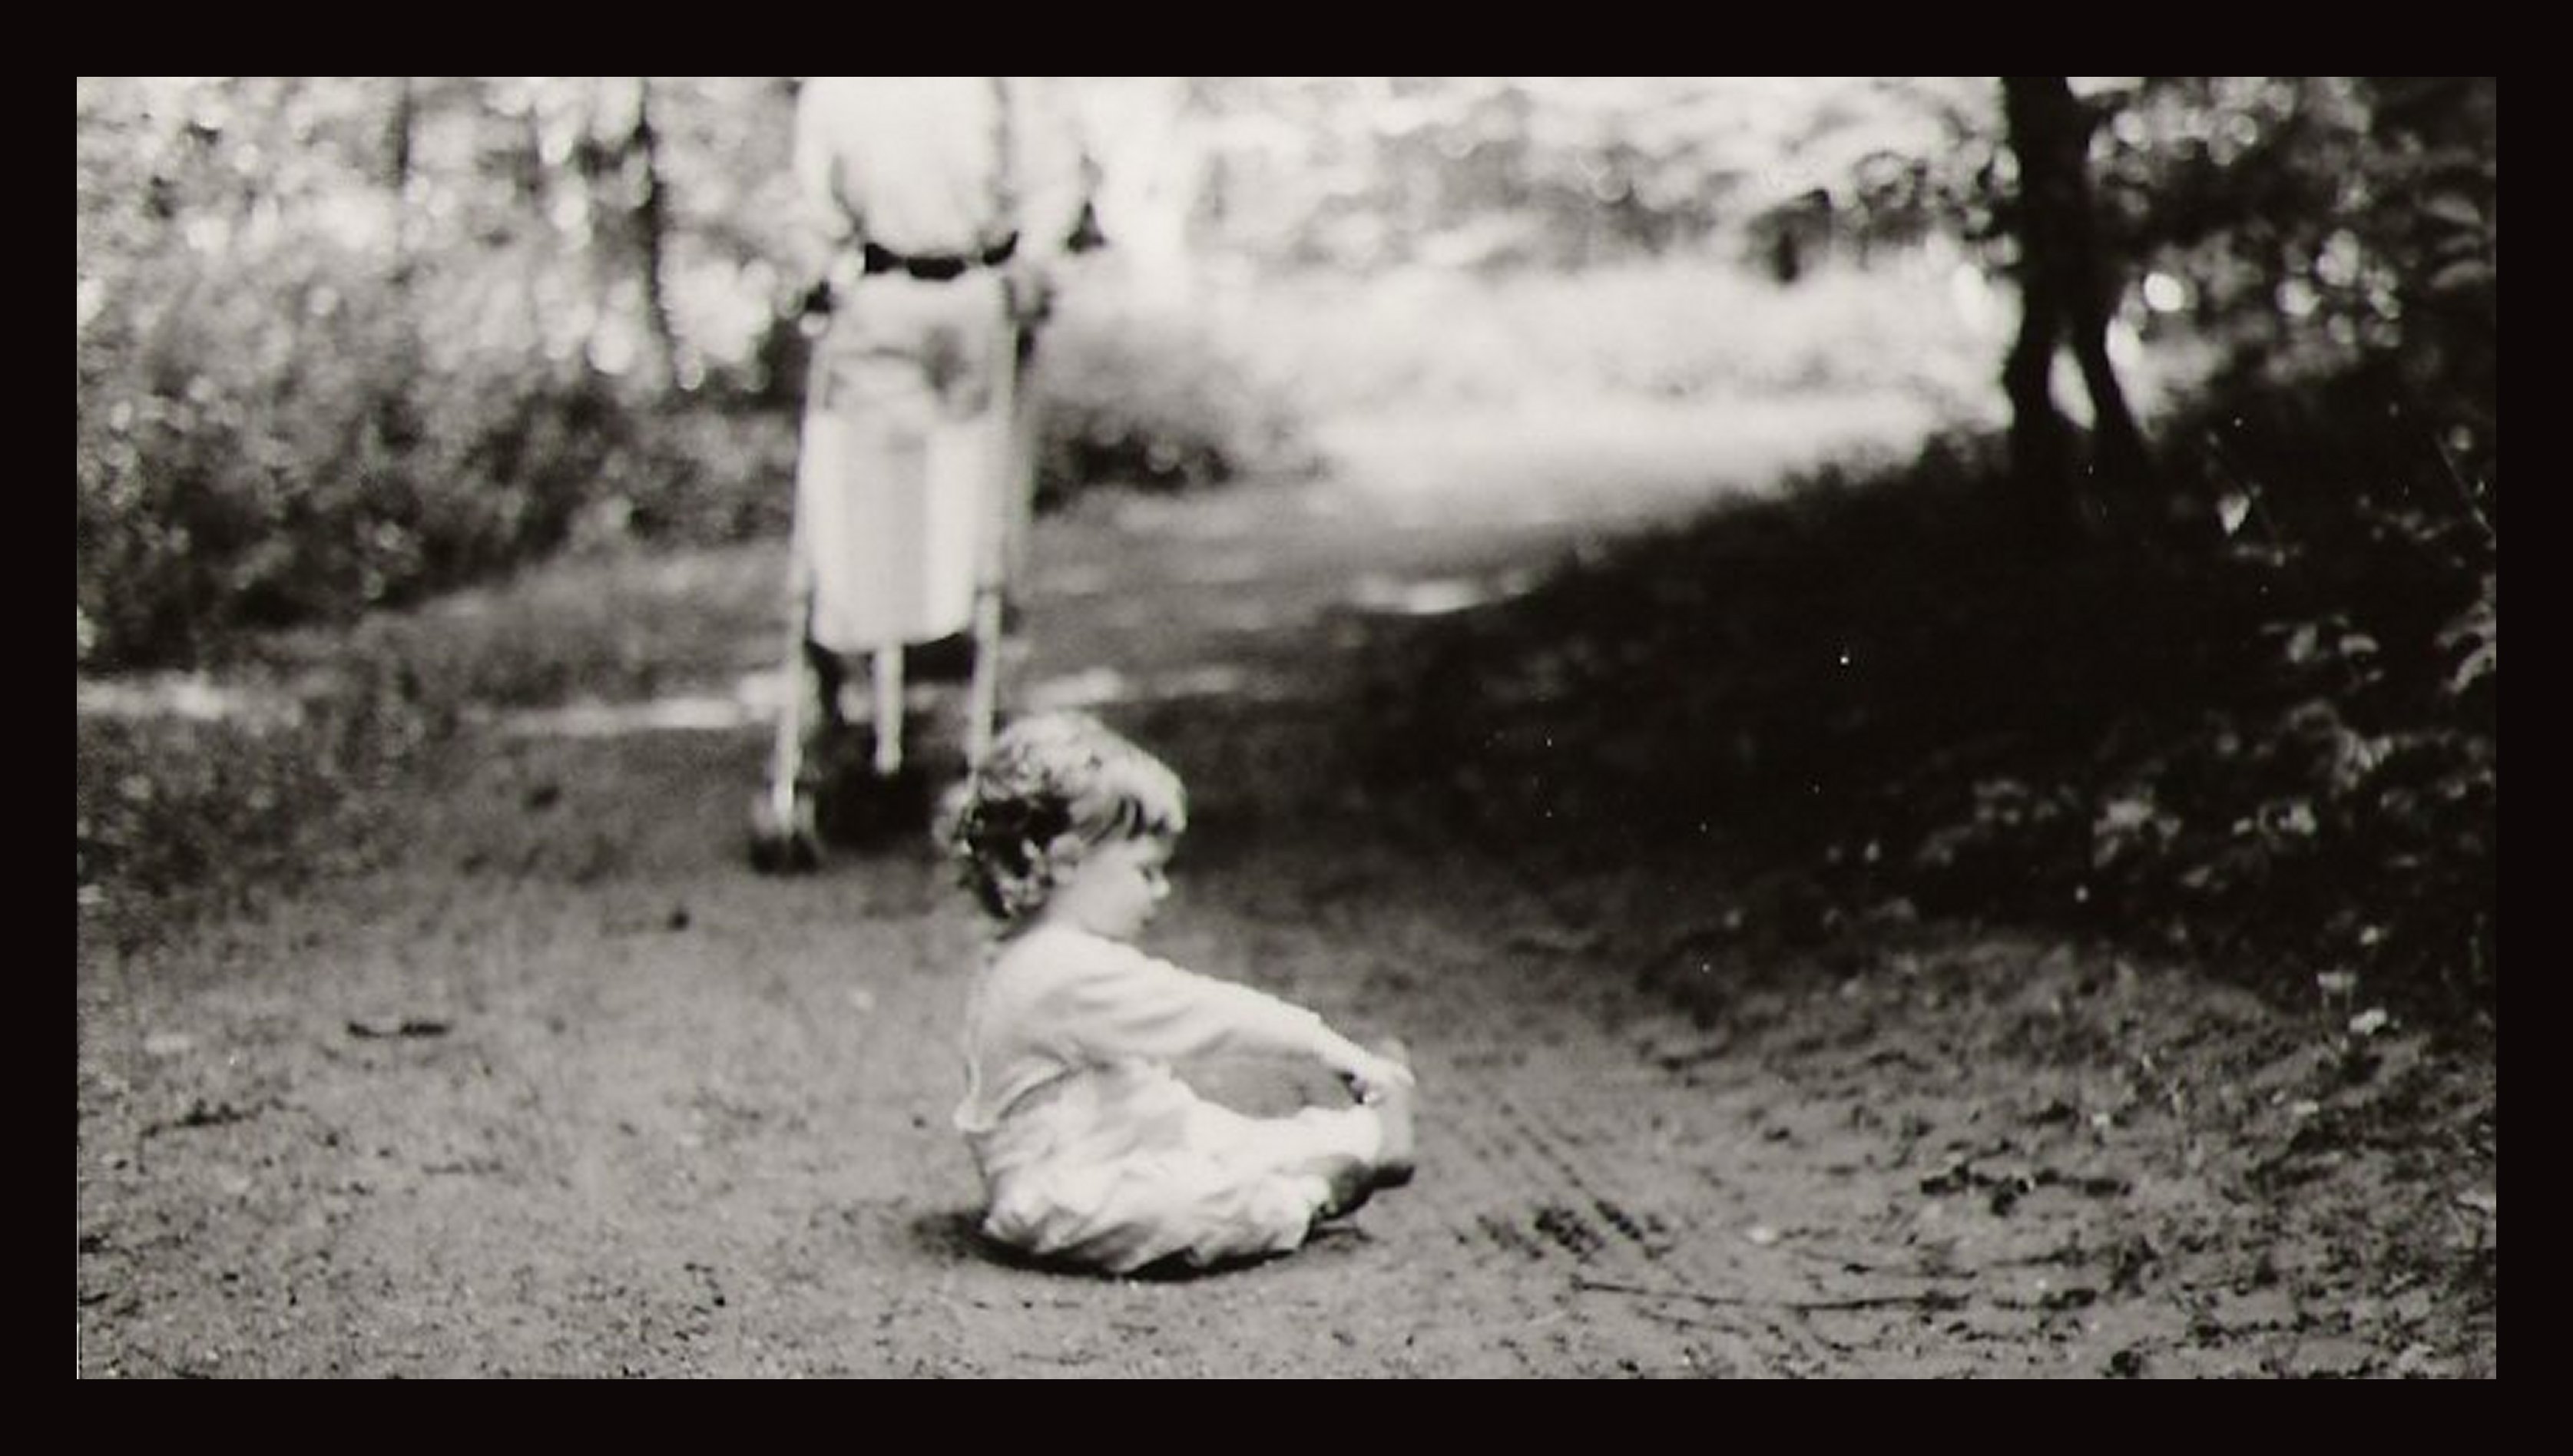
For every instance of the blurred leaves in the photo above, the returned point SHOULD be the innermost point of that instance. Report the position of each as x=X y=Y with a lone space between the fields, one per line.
x=344 y=341
x=1547 y=172
x=2301 y=226
x=1150 y=398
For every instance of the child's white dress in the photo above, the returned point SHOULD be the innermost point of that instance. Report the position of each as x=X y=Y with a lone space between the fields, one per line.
x=1093 y=1152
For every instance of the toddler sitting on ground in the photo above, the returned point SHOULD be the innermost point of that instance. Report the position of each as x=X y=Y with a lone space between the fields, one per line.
x=1092 y=1151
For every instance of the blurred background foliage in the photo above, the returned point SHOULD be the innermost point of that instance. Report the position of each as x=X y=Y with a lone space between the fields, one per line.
x=2255 y=718
x=344 y=342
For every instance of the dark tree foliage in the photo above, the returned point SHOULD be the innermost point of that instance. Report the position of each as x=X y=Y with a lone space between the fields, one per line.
x=2255 y=718
x=2306 y=753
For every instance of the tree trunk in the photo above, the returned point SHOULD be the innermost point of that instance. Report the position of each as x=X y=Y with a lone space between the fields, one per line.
x=2065 y=295
x=398 y=125
x=397 y=137
x=652 y=226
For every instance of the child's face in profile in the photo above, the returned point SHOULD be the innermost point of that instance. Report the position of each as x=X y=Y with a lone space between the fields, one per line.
x=1115 y=888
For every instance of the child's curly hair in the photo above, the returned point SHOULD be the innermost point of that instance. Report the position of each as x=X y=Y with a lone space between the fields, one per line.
x=1052 y=787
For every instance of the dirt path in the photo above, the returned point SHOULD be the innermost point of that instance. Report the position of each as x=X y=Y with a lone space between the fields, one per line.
x=562 y=1089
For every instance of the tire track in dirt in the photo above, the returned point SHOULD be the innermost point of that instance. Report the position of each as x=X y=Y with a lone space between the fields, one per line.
x=1555 y=1194
x=1565 y=1176
x=1606 y=1204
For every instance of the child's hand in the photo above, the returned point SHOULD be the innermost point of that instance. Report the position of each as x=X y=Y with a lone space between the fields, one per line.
x=1368 y=1073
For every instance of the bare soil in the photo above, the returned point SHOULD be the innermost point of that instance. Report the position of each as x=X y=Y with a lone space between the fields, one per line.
x=556 y=1086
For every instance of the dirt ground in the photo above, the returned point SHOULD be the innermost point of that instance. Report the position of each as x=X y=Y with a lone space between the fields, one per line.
x=559 y=1086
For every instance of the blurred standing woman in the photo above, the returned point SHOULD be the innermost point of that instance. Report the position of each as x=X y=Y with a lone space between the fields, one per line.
x=936 y=210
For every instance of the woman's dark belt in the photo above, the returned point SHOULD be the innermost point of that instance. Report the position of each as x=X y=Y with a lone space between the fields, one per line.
x=938 y=267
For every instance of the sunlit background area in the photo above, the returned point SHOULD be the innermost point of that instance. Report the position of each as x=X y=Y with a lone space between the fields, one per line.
x=436 y=323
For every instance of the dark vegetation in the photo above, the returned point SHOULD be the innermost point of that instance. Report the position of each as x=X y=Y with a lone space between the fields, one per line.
x=2248 y=713
x=2278 y=749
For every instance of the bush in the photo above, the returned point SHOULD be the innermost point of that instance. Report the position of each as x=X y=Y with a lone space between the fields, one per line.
x=1149 y=398
x=298 y=436
x=2269 y=735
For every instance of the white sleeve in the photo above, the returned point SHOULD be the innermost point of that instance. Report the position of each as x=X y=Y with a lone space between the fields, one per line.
x=1122 y=1003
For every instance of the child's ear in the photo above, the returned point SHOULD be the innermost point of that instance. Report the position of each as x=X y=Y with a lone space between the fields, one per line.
x=1061 y=857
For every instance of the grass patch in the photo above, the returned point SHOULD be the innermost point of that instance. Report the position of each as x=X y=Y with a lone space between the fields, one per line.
x=180 y=812
x=294 y=754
